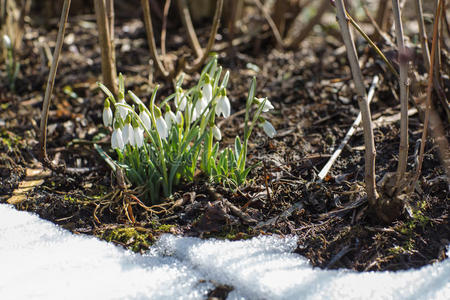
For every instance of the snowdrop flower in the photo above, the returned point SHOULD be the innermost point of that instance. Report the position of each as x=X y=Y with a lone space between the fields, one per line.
x=179 y=118
x=216 y=133
x=7 y=41
x=128 y=132
x=138 y=136
x=180 y=101
x=170 y=118
x=161 y=125
x=143 y=115
x=269 y=129
x=107 y=114
x=116 y=139
x=192 y=112
x=207 y=91
x=122 y=110
x=223 y=106
x=201 y=104
x=267 y=106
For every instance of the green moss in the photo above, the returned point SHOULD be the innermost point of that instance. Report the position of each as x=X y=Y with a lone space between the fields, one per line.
x=10 y=141
x=165 y=228
x=130 y=237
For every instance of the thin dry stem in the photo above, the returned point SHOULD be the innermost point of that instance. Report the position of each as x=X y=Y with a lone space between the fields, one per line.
x=151 y=38
x=422 y=33
x=404 y=89
x=50 y=84
x=429 y=86
x=187 y=23
x=370 y=152
x=271 y=23
x=164 y=27
x=349 y=134
x=303 y=34
x=212 y=37
x=109 y=72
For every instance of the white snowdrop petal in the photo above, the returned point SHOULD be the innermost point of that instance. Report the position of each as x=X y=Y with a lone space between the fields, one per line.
x=216 y=133
x=138 y=137
x=269 y=129
x=107 y=116
x=127 y=134
x=145 y=120
x=161 y=127
x=117 y=139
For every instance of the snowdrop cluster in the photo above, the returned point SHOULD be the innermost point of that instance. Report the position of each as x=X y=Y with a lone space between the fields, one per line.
x=161 y=145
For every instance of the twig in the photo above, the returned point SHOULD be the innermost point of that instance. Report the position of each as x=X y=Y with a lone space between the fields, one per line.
x=363 y=102
x=372 y=44
x=422 y=33
x=404 y=87
x=349 y=134
x=187 y=23
x=271 y=23
x=106 y=45
x=151 y=38
x=428 y=102
x=164 y=27
x=303 y=34
x=49 y=88
x=212 y=37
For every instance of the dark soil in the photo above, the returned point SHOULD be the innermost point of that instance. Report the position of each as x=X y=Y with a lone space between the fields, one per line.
x=314 y=104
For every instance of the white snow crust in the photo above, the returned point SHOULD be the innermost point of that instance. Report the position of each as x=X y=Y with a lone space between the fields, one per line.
x=39 y=260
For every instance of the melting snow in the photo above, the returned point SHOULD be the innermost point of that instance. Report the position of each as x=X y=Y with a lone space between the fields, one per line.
x=39 y=260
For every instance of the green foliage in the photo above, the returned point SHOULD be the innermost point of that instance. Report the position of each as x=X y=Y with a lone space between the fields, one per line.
x=160 y=151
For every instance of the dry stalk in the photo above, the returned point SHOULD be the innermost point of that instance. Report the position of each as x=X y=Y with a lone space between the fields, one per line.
x=181 y=64
x=187 y=23
x=151 y=38
x=303 y=34
x=212 y=37
x=271 y=23
x=164 y=27
x=403 y=58
x=422 y=33
x=105 y=33
x=429 y=86
x=349 y=134
x=50 y=84
x=370 y=152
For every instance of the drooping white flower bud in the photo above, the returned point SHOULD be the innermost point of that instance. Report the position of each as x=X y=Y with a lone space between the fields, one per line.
x=162 y=128
x=180 y=101
x=207 y=92
x=138 y=137
x=117 y=139
x=216 y=133
x=170 y=118
x=143 y=115
x=7 y=41
x=107 y=114
x=179 y=118
x=122 y=110
x=267 y=105
x=223 y=106
x=268 y=129
x=128 y=132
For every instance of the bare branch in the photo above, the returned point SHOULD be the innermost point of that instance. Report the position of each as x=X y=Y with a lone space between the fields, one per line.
x=187 y=23
x=151 y=38
x=403 y=58
x=50 y=84
x=109 y=72
x=370 y=153
x=212 y=37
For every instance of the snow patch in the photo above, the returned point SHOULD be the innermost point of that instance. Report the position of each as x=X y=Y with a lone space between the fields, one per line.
x=39 y=260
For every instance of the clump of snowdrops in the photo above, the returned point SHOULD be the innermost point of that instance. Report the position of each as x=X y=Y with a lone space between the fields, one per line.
x=161 y=145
